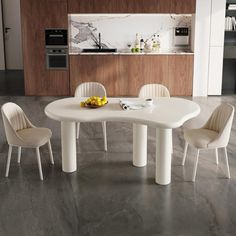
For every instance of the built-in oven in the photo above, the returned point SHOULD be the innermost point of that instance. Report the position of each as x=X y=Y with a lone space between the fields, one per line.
x=57 y=58
x=56 y=47
x=56 y=38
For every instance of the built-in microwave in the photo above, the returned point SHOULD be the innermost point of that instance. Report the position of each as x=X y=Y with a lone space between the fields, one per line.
x=56 y=38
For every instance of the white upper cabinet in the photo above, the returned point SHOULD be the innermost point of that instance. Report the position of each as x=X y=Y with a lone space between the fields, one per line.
x=217 y=22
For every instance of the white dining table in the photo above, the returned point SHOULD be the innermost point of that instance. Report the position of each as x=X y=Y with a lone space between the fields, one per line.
x=164 y=115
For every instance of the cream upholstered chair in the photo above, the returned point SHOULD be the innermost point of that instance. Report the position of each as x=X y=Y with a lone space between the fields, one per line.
x=92 y=89
x=153 y=90
x=21 y=133
x=213 y=135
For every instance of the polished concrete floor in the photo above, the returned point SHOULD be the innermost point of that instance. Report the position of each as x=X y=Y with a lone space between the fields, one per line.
x=107 y=195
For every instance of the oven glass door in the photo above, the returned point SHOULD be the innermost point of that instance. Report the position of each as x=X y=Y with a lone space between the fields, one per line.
x=57 y=61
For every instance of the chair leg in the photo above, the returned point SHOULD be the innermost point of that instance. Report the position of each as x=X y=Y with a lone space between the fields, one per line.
x=185 y=153
x=39 y=163
x=104 y=129
x=77 y=130
x=217 y=158
x=50 y=152
x=19 y=155
x=195 y=166
x=8 y=160
x=227 y=163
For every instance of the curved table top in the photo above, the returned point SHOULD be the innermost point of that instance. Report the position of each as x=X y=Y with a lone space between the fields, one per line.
x=165 y=112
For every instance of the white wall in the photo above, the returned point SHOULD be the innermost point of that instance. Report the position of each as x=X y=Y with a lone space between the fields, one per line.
x=2 y=61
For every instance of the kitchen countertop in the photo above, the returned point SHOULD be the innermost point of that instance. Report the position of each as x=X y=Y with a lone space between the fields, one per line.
x=126 y=52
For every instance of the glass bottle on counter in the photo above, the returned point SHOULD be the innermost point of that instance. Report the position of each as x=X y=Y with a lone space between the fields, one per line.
x=137 y=42
x=142 y=44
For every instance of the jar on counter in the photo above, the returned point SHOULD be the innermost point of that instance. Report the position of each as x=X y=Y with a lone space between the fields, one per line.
x=148 y=45
x=156 y=44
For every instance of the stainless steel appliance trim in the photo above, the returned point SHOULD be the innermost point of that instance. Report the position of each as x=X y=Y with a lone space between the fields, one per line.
x=57 y=46
x=56 y=68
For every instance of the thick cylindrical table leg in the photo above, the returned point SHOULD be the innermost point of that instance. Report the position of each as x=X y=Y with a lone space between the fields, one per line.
x=163 y=156
x=139 y=145
x=68 y=145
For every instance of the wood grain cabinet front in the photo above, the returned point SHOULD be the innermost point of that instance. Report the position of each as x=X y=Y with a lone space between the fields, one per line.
x=96 y=68
x=131 y=6
x=180 y=75
x=145 y=69
x=36 y=16
x=124 y=75
x=183 y=6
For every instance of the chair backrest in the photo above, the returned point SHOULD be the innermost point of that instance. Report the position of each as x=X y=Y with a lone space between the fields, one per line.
x=153 y=90
x=14 y=119
x=221 y=121
x=90 y=89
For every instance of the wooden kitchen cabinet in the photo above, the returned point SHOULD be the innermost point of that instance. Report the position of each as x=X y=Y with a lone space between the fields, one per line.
x=105 y=69
x=183 y=6
x=131 y=6
x=180 y=75
x=92 y=6
x=148 y=6
x=36 y=16
x=145 y=69
x=124 y=75
x=121 y=6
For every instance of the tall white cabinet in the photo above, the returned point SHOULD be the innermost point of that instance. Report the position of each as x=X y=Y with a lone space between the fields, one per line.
x=216 y=49
x=201 y=34
x=208 y=47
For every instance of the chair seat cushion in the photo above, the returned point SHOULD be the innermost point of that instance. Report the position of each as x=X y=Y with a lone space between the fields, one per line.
x=34 y=137
x=200 y=138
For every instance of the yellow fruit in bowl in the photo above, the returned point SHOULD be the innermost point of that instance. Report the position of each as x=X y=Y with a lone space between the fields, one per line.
x=104 y=99
x=94 y=101
x=82 y=104
x=88 y=101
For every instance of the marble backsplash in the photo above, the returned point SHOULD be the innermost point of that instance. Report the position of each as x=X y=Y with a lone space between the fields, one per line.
x=119 y=30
